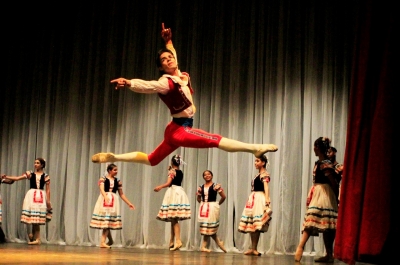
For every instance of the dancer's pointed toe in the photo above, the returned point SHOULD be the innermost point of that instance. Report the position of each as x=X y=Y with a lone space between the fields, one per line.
x=248 y=252
x=104 y=245
x=252 y=252
x=203 y=249
x=272 y=148
x=264 y=148
x=299 y=254
x=221 y=246
x=34 y=242
x=103 y=158
x=176 y=247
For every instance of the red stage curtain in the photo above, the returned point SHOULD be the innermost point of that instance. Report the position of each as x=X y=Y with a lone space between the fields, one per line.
x=365 y=229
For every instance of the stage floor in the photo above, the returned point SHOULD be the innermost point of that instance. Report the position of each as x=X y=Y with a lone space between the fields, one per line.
x=21 y=253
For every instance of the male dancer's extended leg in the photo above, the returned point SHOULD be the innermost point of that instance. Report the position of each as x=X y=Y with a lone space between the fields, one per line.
x=176 y=136
x=153 y=159
x=225 y=144
x=257 y=150
x=137 y=157
x=198 y=138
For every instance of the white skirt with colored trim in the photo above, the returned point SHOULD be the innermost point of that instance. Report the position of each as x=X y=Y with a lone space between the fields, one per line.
x=254 y=216
x=107 y=216
x=34 y=208
x=208 y=217
x=175 y=205
x=322 y=210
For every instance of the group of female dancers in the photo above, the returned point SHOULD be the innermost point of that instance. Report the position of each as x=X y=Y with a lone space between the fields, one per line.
x=320 y=217
x=36 y=209
x=175 y=206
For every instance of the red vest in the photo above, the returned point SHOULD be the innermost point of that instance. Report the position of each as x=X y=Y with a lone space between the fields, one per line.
x=175 y=99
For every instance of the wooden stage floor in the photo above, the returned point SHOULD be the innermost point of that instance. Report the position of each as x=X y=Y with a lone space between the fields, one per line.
x=21 y=253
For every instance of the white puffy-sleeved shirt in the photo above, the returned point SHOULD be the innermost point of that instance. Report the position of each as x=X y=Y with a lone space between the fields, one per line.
x=162 y=86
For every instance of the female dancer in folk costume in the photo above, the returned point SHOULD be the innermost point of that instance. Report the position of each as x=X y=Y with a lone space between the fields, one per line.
x=5 y=181
x=338 y=167
x=322 y=204
x=257 y=212
x=209 y=210
x=175 y=90
x=106 y=214
x=175 y=205
x=36 y=209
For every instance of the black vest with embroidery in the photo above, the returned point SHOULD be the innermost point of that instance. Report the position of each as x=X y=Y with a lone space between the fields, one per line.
x=32 y=181
x=107 y=185
x=212 y=194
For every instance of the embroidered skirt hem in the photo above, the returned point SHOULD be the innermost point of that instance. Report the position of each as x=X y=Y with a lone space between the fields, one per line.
x=322 y=210
x=175 y=205
x=106 y=216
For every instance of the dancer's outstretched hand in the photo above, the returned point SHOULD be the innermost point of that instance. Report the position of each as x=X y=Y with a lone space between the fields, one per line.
x=166 y=34
x=121 y=82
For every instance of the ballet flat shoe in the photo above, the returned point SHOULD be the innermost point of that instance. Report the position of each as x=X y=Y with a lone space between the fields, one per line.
x=176 y=247
x=102 y=157
x=34 y=242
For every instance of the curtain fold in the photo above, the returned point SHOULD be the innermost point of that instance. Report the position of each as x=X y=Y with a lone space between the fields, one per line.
x=366 y=217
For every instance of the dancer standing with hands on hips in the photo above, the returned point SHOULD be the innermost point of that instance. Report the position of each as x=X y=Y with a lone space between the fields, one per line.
x=107 y=214
x=36 y=209
x=175 y=90
x=175 y=205
x=209 y=210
